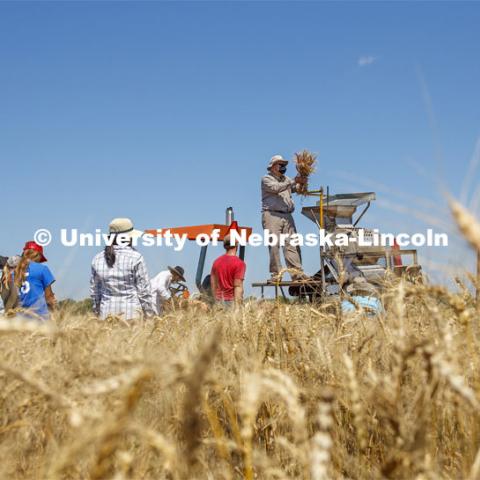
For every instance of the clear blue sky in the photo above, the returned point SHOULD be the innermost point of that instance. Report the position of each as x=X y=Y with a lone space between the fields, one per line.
x=168 y=113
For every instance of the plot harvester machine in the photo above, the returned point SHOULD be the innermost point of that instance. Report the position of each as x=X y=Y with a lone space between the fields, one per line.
x=363 y=258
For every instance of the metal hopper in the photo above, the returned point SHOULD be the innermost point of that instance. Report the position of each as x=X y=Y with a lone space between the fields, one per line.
x=338 y=210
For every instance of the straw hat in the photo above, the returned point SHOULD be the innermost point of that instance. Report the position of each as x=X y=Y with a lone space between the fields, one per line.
x=124 y=226
x=360 y=286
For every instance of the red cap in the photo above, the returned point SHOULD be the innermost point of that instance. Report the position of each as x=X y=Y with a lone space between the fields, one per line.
x=31 y=245
x=233 y=226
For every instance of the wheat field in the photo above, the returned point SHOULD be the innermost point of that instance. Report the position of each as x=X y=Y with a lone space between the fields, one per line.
x=268 y=391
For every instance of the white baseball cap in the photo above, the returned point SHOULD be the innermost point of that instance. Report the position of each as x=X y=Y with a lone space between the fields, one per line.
x=276 y=159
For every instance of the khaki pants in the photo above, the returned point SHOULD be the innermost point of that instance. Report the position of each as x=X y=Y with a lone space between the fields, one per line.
x=278 y=223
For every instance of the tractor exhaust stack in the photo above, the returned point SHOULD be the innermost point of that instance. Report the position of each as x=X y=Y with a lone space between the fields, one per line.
x=229 y=216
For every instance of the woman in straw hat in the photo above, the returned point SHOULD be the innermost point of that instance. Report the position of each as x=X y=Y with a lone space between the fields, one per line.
x=119 y=283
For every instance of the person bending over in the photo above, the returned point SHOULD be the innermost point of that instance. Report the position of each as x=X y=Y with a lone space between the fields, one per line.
x=161 y=286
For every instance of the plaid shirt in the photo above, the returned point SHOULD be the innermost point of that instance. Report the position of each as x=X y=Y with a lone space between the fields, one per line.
x=123 y=289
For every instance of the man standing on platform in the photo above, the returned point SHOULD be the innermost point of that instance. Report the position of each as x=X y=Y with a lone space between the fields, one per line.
x=277 y=209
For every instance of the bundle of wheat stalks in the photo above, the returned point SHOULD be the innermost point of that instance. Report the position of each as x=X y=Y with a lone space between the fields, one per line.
x=305 y=162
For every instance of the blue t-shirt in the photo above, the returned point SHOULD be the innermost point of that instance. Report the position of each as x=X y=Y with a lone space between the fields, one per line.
x=32 y=292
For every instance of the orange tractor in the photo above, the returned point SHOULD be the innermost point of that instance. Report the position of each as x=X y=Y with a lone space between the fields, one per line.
x=192 y=232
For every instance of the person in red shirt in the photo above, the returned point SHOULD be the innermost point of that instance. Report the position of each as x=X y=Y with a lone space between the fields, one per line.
x=227 y=275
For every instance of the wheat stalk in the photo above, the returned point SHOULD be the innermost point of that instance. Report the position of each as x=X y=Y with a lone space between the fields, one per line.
x=193 y=399
x=467 y=223
x=321 y=443
x=356 y=403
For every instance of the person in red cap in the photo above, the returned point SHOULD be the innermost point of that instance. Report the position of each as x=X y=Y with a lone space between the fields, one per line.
x=34 y=281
